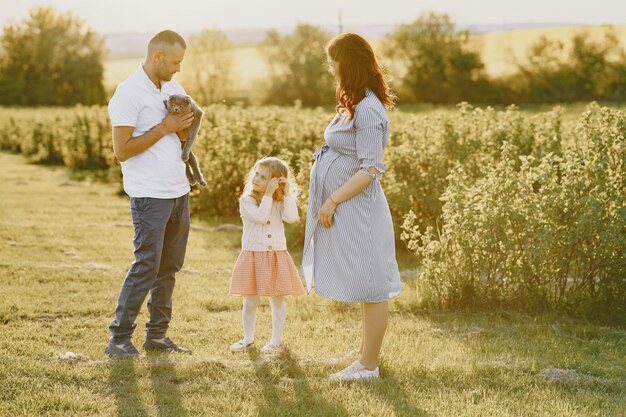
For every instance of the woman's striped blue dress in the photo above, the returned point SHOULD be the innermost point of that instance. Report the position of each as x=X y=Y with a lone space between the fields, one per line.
x=354 y=260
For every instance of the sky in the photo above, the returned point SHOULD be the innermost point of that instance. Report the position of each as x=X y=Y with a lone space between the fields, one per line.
x=108 y=16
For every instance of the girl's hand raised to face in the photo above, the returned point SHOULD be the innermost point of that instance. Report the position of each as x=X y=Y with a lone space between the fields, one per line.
x=272 y=186
x=285 y=182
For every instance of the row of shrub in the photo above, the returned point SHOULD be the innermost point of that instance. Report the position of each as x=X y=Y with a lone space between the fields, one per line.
x=533 y=230
x=422 y=152
x=500 y=206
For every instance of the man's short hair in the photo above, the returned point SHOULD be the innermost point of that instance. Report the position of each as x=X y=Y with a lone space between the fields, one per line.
x=165 y=38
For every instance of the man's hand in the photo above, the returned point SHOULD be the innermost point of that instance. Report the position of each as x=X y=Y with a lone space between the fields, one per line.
x=176 y=122
x=126 y=146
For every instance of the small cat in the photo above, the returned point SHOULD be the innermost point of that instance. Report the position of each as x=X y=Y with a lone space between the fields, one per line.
x=178 y=103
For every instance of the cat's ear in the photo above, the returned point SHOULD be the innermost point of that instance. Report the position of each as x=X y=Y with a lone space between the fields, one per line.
x=165 y=103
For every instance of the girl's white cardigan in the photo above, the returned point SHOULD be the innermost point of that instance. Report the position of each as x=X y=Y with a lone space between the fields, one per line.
x=263 y=224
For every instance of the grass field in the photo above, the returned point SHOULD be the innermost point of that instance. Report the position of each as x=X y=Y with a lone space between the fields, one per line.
x=498 y=50
x=65 y=246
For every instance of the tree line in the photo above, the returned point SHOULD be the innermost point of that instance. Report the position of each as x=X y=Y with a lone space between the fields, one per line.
x=51 y=58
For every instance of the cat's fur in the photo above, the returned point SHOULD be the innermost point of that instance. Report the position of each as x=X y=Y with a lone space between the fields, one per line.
x=178 y=103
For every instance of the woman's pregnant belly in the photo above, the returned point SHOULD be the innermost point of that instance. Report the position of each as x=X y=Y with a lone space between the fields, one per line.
x=340 y=170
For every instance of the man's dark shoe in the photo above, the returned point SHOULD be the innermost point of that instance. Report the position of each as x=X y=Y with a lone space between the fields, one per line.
x=121 y=350
x=165 y=346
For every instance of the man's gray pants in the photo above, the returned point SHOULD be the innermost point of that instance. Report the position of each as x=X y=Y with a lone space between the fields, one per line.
x=161 y=232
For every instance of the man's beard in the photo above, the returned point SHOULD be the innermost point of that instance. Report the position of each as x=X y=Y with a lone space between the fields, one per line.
x=164 y=74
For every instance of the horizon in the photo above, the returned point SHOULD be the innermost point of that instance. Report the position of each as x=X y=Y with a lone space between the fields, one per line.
x=132 y=44
x=120 y=16
x=478 y=27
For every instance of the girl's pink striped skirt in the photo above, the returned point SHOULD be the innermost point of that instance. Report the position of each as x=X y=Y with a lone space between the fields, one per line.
x=270 y=273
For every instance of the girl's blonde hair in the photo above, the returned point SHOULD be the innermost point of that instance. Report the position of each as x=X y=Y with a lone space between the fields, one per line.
x=278 y=168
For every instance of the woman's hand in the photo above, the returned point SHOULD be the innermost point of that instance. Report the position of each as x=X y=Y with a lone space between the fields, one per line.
x=326 y=213
x=272 y=186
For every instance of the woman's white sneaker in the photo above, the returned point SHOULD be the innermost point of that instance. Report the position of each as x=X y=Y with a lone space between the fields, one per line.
x=240 y=345
x=356 y=372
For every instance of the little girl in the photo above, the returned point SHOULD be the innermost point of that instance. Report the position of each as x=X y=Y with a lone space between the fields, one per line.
x=264 y=266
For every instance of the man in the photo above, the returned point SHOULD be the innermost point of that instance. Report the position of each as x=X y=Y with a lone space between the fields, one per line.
x=145 y=142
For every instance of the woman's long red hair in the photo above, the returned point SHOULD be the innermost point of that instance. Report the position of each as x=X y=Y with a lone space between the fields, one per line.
x=358 y=70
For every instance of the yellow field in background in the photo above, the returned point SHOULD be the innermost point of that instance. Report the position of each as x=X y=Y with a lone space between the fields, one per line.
x=499 y=50
x=249 y=65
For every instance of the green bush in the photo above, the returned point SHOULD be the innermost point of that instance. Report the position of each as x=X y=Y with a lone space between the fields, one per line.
x=424 y=150
x=78 y=137
x=547 y=231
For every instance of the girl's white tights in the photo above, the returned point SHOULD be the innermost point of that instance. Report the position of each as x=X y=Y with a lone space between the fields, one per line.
x=279 y=315
x=248 y=313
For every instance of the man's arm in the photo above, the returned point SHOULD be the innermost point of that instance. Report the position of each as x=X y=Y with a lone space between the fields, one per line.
x=126 y=146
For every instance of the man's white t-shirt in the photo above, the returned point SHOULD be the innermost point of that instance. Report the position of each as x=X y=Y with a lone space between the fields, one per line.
x=159 y=171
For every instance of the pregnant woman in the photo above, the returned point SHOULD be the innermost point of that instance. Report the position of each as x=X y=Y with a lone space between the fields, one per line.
x=349 y=252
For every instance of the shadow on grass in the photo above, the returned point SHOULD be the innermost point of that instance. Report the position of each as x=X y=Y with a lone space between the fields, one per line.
x=165 y=385
x=392 y=391
x=277 y=402
x=123 y=384
x=274 y=383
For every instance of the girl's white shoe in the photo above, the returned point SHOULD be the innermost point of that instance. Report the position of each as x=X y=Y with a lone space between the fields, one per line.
x=240 y=345
x=269 y=348
x=356 y=372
